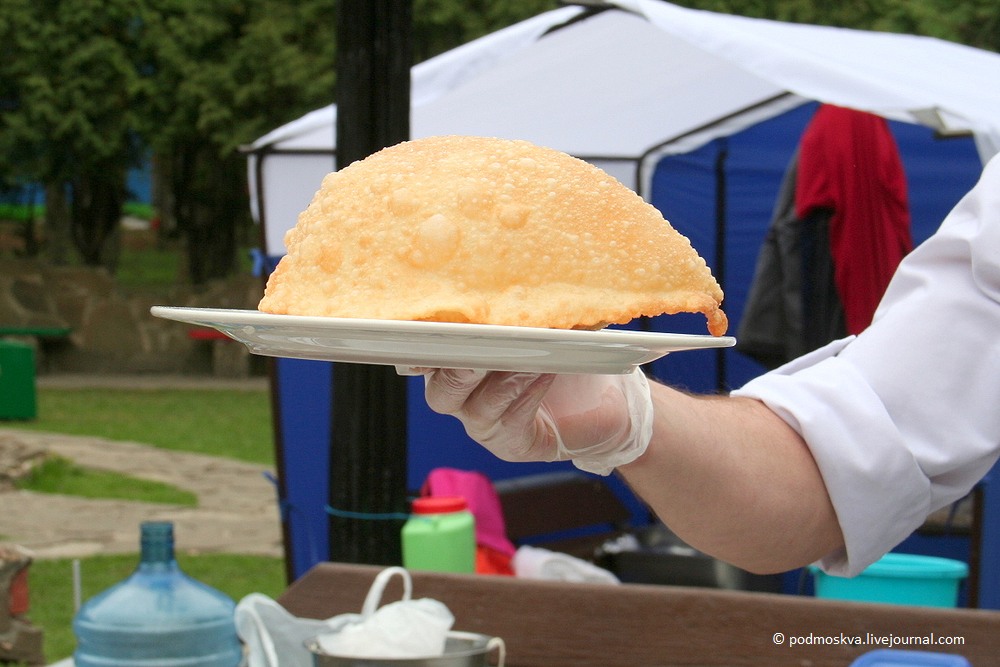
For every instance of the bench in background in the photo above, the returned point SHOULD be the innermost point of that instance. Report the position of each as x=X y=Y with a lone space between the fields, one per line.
x=230 y=358
x=562 y=511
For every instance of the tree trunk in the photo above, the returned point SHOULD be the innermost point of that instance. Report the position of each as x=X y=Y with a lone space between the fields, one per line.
x=210 y=205
x=163 y=201
x=57 y=234
x=95 y=217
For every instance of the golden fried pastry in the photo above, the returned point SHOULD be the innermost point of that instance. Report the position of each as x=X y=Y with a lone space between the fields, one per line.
x=489 y=231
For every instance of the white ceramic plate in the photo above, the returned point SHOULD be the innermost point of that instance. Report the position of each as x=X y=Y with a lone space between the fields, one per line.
x=440 y=344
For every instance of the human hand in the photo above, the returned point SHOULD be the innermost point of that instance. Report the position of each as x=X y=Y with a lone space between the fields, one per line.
x=598 y=421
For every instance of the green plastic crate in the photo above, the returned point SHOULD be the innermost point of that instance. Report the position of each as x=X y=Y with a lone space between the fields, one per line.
x=17 y=381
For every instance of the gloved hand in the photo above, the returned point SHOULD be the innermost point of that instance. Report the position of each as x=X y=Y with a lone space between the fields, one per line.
x=598 y=421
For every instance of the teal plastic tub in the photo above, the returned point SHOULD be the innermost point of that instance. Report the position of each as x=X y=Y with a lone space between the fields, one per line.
x=897 y=578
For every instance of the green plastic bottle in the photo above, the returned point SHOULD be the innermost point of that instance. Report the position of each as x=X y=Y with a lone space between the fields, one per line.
x=440 y=535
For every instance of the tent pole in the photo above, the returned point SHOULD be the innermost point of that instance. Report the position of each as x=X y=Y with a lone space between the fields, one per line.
x=368 y=475
x=720 y=247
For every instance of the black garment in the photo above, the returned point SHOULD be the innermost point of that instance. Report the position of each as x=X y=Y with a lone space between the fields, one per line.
x=793 y=306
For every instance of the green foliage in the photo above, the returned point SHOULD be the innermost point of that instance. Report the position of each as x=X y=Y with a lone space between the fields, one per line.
x=51 y=584
x=439 y=25
x=223 y=72
x=67 y=77
x=59 y=475
x=233 y=424
x=84 y=85
x=217 y=75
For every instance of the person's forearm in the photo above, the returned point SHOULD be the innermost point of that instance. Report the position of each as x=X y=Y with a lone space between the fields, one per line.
x=733 y=480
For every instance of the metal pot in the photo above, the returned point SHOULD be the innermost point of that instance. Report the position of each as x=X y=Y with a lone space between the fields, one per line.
x=461 y=649
x=660 y=557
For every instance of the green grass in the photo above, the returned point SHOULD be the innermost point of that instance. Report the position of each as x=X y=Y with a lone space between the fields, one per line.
x=146 y=262
x=20 y=212
x=232 y=424
x=138 y=209
x=58 y=475
x=51 y=585
x=148 y=268
x=24 y=212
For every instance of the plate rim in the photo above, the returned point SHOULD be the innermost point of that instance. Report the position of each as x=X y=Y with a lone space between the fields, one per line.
x=244 y=317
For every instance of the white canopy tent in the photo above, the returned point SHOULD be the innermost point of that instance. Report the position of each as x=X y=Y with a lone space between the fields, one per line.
x=621 y=88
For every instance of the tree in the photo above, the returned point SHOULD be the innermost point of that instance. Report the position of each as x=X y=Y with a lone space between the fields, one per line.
x=218 y=74
x=67 y=78
x=440 y=25
x=87 y=87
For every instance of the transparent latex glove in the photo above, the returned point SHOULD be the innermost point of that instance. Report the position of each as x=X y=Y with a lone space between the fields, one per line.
x=598 y=421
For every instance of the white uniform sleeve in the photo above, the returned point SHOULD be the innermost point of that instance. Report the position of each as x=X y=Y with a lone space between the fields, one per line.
x=903 y=420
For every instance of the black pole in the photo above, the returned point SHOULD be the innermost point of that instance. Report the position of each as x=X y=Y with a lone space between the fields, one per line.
x=374 y=56
x=368 y=434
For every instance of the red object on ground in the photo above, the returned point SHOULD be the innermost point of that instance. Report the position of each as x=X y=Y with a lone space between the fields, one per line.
x=19 y=595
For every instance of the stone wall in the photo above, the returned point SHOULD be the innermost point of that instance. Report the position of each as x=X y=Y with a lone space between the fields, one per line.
x=113 y=332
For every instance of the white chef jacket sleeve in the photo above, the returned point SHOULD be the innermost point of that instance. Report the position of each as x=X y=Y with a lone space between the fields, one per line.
x=903 y=420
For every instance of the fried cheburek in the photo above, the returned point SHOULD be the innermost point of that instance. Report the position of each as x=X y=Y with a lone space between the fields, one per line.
x=488 y=231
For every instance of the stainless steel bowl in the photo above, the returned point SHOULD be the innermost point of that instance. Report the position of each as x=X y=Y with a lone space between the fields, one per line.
x=462 y=649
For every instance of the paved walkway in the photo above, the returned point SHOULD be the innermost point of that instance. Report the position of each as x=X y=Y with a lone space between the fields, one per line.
x=236 y=513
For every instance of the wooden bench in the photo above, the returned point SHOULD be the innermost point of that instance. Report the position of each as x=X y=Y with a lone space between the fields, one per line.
x=39 y=337
x=562 y=511
x=40 y=333
x=556 y=624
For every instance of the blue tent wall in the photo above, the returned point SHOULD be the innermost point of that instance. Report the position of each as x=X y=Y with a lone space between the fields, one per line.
x=303 y=424
x=684 y=188
x=939 y=172
x=301 y=392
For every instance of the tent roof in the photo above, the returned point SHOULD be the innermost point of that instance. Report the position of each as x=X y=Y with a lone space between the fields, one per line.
x=575 y=89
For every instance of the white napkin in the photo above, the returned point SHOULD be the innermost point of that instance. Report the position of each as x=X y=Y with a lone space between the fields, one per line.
x=537 y=563
x=274 y=637
x=404 y=629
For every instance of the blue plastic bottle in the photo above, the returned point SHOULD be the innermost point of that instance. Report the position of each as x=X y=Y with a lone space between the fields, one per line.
x=158 y=617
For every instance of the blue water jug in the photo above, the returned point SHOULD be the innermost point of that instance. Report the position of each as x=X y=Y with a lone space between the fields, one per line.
x=158 y=616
